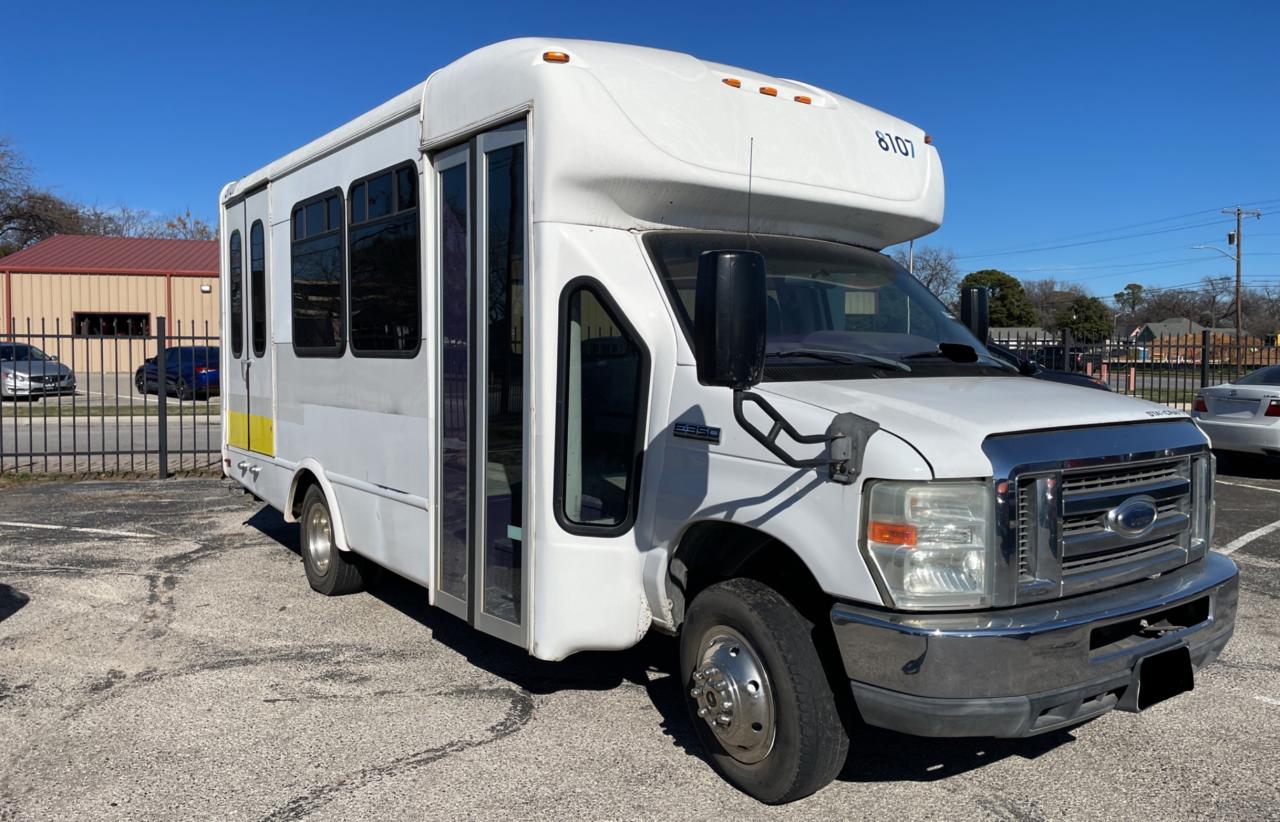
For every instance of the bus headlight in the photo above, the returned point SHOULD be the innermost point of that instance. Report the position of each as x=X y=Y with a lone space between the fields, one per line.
x=932 y=542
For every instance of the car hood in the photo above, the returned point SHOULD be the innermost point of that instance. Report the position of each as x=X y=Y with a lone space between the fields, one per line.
x=946 y=419
x=36 y=368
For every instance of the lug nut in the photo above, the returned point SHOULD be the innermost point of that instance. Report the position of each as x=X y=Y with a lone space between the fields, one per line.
x=702 y=712
x=695 y=692
x=723 y=719
x=698 y=676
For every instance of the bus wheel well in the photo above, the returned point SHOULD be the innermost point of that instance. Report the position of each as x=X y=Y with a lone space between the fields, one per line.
x=712 y=552
x=304 y=480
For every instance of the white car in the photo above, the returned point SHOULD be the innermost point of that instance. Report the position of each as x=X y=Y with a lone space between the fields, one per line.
x=1243 y=415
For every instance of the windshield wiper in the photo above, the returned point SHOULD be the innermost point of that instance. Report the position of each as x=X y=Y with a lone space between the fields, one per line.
x=958 y=353
x=843 y=357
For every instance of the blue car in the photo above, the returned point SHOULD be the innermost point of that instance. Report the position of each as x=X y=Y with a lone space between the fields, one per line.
x=190 y=371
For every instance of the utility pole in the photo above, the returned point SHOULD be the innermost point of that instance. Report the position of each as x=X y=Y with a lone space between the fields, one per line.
x=1236 y=239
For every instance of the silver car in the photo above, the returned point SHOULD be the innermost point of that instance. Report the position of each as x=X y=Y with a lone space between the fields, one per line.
x=26 y=371
x=1243 y=415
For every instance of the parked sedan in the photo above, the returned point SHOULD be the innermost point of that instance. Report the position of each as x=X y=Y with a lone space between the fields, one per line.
x=1031 y=368
x=26 y=371
x=189 y=371
x=1243 y=415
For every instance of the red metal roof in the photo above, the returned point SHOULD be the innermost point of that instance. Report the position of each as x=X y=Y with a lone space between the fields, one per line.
x=74 y=254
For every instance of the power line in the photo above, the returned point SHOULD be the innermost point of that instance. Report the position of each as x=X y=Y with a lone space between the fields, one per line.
x=1124 y=227
x=1091 y=242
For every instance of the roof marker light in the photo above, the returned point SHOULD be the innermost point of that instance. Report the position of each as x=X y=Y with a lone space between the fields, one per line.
x=769 y=91
x=732 y=81
x=928 y=139
x=804 y=98
x=555 y=57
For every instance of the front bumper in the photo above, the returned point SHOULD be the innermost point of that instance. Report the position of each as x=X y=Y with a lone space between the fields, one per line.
x=1023 y=671
x=38 y=389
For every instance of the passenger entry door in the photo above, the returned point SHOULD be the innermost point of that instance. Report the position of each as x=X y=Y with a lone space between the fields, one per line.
x=256 y=370
x=482 y=242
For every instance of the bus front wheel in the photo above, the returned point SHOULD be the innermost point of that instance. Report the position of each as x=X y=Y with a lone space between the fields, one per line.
x=760 y=699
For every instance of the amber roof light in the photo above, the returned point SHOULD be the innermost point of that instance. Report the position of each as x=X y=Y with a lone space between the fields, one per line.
x=555 y=57
x=769 y=91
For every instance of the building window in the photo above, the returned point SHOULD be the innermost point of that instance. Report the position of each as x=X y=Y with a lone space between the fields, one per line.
x=385 y=267
x=316 y=272
x=604 y=375
x=258 y=288
x=235 y=276
x=98 y=324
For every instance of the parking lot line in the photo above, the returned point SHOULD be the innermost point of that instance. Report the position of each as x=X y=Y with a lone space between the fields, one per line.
x=1238 y=543
x=1246 y=485
x=46 y=527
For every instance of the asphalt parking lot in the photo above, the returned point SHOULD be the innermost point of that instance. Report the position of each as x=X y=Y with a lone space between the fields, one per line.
x=161 y=657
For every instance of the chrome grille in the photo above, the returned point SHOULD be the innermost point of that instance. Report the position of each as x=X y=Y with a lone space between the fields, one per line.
x=1082 y=550
x=1120 y=478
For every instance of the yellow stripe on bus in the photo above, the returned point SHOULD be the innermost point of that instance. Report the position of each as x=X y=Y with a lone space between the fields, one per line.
x=244 y=429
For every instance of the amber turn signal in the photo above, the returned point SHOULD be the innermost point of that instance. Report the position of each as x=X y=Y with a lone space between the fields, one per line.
x=892 y=533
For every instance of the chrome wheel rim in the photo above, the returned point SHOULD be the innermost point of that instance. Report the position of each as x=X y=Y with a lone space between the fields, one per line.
x=732 y=694
x=319 y=538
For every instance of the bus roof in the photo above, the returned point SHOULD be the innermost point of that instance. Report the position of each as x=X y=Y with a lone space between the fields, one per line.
x=638 y=138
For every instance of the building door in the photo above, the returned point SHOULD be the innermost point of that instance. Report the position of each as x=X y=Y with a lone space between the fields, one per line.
x=481 y=555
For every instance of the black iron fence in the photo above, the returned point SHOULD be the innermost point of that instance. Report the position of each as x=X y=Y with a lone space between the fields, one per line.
x=128 y=399
x=1167 y=370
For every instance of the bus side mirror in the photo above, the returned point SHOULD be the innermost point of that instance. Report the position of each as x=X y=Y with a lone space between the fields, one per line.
x=975 y=311
x=729 y=318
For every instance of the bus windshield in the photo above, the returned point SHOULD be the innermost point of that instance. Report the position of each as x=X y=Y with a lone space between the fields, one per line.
x=833 y=307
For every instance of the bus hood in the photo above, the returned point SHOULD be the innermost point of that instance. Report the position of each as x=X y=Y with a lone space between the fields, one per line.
x=946 y=419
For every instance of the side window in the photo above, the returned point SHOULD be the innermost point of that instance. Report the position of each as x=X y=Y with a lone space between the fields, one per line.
x=235 y=273
x=385 y=268
x=258 y=288
x=604 y=376
x=316 y=276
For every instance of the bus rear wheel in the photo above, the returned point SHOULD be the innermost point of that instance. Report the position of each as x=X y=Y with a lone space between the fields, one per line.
x=330 y=571
x=760 y=699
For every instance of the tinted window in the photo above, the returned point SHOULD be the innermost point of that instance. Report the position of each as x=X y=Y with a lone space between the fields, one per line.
x=316 y=272
x=1263 y=376
x=258 y=288
x=235 y=273
x=455 y=380
x=602 y=398
x=380 y=196
x=357 y=203
x=385 y=270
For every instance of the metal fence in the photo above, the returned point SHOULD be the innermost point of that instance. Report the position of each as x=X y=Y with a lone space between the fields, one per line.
x=1167 y=370
x=140 y=400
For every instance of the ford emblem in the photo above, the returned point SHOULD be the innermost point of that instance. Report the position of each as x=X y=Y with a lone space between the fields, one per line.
x=1133 y=517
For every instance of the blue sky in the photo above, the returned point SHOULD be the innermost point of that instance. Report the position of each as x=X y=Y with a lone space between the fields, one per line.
x=1059 y=124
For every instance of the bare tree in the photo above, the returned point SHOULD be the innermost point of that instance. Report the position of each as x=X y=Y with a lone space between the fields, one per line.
x=186 y=226
x=1050 y=297
x=934 y=266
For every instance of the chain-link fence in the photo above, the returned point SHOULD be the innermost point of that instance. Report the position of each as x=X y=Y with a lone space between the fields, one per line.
x=120 y=398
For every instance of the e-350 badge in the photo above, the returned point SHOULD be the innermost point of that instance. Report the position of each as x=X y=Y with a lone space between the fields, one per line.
x=693 y=431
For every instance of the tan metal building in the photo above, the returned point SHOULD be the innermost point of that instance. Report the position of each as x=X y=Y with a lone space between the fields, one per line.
x=94 y=300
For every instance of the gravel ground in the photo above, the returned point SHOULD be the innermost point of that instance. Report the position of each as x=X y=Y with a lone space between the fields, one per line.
x=161 y=657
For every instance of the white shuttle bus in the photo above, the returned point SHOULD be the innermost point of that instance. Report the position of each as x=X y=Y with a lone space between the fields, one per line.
x=591 y=340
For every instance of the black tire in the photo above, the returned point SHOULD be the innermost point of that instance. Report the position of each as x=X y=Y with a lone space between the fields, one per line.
x=810 y=743
x=141 y=383
x=182 y=390
x=344 y=573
